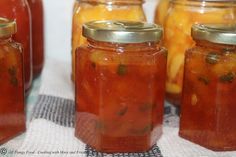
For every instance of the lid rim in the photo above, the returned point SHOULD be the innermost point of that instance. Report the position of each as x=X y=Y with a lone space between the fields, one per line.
x=122 y=31
x=212 y=33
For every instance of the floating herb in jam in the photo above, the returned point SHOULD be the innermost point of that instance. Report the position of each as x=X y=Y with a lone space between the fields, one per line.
x=13 y=78
x=228 y=78
x=212 y=58
x=146 y=107
x=204 y=80
x=143 y=131
x=228 y=50
x=122 y=111
x=122 y=70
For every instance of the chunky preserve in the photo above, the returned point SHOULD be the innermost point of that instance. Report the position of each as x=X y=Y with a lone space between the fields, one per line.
x=19 y=10
x=181 y=16
x=120 y=84
x=12 y=113
x=208 y=105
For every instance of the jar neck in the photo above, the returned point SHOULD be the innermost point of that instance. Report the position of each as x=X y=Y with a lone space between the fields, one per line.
x=122 y=47
x=218 y=47
x=204 y=3
x=114 y=2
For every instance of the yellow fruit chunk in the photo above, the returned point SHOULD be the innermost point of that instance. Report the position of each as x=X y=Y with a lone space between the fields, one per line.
x=85 y=12
x=173 y=88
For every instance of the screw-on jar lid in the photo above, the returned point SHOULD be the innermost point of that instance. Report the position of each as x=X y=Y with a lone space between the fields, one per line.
x=122 y=31
x=7 y=27
x=215 y=33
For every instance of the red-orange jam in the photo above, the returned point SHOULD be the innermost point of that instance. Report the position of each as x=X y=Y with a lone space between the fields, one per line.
x=208 y=103
x=120 y=89
x=12 y=113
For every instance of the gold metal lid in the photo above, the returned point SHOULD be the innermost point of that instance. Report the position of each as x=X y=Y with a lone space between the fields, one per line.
x=215 y=33
x=127 y=2
x=7 y=27
x=122 y=31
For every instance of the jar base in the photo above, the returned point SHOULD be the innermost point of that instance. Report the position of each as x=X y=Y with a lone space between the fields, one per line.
x=10 y=137
x=202 y=141
x=37 y=71
x=174 y=99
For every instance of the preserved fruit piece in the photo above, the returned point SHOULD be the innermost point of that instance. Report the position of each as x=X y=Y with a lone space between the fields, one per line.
x=86 y=11
x=37 y=12
x=208 y=101
x=181 y=16
x=161 y=11
x=12 y=115
x=120 y=86
x=19 y=10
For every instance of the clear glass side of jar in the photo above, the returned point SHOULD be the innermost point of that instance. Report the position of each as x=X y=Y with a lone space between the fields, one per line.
x=207 y=111
x=12 y=119
x=37 y=13
x=90 y=10
x=112 y=74
x=177 y=39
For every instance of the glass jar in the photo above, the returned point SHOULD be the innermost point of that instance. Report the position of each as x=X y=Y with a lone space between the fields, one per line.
x=182 y=15
x=90 y=10
x=19 y=10
x=120 y=86
x=208 y=104
x=161 y=11
x=12 y=115
x=37 y=13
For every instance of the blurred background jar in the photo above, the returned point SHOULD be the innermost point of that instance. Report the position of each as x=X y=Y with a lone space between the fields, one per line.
x=161 y=11
x=90 y=10
x=111 y=115
x=20 y=11
x=37 y=13
x=12 y=112
x=208 y=101
x=177 y=39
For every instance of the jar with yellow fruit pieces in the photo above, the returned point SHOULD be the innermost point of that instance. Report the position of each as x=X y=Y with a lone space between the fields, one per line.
x=177 y=39
x=91 y=10
x=208 y=101
x=161 y=11
x=12 y=113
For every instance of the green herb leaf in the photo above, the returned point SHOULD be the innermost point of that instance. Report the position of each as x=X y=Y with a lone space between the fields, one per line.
x=212 y=58
x=99 y=125
x=228 y=50
x=142 y=131
x=122 y=70
x=204 y=80
x=12 y=71
x=14 y=81
x=122 y=111
x=228 y=78
x=93 y=65
x=146 y=107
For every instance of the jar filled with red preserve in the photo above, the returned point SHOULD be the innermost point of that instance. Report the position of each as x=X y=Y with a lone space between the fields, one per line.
x=37 y=13
x=120 y=86
x=208 y=103
x=19 y=10
x=12 y=115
